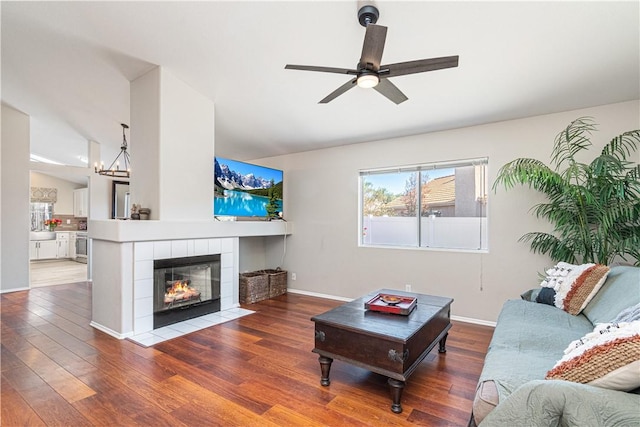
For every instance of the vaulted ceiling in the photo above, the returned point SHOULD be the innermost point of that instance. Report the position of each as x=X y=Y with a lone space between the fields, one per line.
x=68 y=65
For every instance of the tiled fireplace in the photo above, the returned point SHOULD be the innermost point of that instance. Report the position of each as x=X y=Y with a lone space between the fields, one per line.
x=123 y=255
x=146 y=253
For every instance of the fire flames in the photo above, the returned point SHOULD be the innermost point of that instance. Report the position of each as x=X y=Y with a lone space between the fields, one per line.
x=180 y=291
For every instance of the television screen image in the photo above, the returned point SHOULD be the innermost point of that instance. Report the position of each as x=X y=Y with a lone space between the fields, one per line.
x=246 y=190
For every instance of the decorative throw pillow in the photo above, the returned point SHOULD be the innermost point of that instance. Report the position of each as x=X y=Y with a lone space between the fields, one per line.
x=573 y=296
x=546 y=296
x=557 y=274
x=575 y=285
x=530 y=295
x=608 y=357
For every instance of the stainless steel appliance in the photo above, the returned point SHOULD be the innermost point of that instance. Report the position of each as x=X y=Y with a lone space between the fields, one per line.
x=81 y=246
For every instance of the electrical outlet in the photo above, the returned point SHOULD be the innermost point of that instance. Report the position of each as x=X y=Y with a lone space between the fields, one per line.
x=68 y=221
x=293 y=276
x=407 y=288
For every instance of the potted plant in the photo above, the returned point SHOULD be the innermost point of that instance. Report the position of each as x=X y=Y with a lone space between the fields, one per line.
x=594 y=208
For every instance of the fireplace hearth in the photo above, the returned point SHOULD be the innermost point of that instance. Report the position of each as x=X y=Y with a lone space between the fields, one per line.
x=185 y=288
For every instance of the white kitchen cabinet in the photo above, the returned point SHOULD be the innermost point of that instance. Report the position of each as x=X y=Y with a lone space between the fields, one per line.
x=81 y=202
x=72 y=244
x=43 y=249
x=62 y=239
x=33 y=250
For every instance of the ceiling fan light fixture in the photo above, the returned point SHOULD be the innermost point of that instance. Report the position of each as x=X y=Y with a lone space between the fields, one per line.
x=368 y=80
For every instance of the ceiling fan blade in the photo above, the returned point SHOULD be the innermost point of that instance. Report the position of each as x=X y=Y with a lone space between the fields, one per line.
x=391 y=91
x=336 y=93
x=373 y=47
x=322 y=69
x=419 y=66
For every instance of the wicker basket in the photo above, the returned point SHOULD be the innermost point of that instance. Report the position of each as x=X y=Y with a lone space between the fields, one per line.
x=254 y=287
x=277 y=281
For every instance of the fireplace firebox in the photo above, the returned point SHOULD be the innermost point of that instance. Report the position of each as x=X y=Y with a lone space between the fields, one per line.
x=184 y=288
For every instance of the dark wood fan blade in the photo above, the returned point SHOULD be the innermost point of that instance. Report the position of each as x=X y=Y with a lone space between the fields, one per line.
x=419 y=66
x=373 y=47
x=321 y=69
x=391 y=91
x=336 y=93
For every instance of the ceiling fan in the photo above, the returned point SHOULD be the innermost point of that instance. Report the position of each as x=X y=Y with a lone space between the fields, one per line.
x=369 y=73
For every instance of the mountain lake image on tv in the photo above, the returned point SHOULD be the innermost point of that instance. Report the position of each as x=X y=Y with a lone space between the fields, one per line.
x=246 y=190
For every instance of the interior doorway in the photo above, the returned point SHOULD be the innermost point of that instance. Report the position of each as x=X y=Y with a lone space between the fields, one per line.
x=53 y=251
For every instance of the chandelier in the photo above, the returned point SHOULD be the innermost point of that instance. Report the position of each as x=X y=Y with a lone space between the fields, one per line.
x=114 y=169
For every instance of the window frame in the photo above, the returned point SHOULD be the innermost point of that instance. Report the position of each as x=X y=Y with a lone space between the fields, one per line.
x=420 y=168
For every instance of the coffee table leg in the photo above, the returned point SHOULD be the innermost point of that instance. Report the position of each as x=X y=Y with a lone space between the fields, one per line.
x=396 y=388
x=325 y=367
x=443 y=342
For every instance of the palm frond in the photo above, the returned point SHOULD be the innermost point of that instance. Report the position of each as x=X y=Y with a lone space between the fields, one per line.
x=527 y=171
x=549 y=244
x=573 y=139
x=622 y=146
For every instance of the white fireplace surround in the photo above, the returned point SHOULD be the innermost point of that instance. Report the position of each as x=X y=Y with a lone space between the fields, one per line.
x=147 y=252
x=122 y=258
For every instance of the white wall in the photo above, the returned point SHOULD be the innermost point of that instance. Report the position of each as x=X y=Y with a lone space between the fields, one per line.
x=145 y=137
x=14 y=210
x=173 y=129
x=252 y=252
x=321 y=196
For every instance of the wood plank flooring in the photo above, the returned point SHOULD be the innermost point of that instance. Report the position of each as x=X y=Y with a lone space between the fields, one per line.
x=56 y=272
x=254 y=371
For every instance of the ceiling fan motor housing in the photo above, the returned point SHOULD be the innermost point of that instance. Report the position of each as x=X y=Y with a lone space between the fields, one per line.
x=368 y=15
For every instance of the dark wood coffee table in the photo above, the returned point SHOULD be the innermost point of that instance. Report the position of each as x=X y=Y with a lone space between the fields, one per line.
x=389 y=344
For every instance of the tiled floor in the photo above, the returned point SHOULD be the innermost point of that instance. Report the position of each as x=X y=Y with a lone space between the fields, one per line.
x=186 y=327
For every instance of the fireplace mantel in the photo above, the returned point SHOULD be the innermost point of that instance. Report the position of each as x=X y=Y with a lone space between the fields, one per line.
x=123 y=253
x=139 y=231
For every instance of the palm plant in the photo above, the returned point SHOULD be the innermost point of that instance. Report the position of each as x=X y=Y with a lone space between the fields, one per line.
x=594 y=208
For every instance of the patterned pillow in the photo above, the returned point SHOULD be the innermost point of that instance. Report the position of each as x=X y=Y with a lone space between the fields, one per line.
x=575 y=285
x=608 y=357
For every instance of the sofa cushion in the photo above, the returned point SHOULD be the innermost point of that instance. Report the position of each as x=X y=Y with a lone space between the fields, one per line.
x=608 y=357
x=528 y=340
x=619 y=291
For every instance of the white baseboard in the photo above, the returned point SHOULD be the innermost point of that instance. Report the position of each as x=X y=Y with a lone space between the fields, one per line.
x=110 y=331
x=474 y=321
x=6 y=291
x=319 y=295
x=333 y=297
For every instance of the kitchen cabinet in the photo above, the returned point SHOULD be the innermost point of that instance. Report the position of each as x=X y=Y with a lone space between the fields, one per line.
x=43 y=249
x=62 y=239
x=81 y=202
x=72 y=245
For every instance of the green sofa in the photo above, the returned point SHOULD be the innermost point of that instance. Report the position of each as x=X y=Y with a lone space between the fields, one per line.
x=528 y=340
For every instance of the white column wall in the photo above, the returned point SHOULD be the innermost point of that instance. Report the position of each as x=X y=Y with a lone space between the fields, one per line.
x=186 y=151
x=172 y=149
x=14 y=204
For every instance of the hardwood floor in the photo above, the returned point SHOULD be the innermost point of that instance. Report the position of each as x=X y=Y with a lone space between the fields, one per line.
x=254 y=371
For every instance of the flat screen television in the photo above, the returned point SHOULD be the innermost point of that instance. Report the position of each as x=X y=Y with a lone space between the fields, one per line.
x=246 y=190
